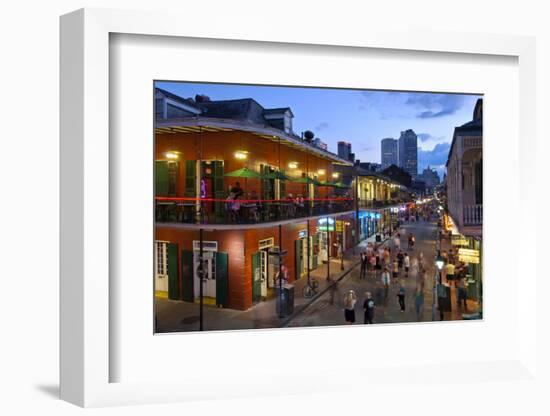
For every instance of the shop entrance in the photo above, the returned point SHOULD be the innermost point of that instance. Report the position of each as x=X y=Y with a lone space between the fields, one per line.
x=209 y=285
x=263 y=270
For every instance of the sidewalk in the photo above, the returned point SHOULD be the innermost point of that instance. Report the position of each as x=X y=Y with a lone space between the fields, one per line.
x=179 y=316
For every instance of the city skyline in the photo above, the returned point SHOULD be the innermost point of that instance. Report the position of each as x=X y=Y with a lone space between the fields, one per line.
x=360 y=117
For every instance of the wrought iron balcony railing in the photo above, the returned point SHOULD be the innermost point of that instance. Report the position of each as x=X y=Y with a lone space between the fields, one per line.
x=239 y=211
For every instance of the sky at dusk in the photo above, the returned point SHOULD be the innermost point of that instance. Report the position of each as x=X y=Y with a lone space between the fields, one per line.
x=361 y=117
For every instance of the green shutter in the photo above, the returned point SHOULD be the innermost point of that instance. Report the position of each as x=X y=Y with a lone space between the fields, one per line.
x=173 y=273
x=219 y=187
x=190 y=178
x=298 y=258
x=187 y=275
x=161 y=178
x=222 y=280
x=282 y=186
x=256 y=277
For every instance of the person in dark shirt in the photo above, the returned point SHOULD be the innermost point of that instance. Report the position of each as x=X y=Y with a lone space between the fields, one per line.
x=237 y=190
x=368 y=307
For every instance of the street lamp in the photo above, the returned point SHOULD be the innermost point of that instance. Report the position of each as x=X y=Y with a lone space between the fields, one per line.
x=439 y=263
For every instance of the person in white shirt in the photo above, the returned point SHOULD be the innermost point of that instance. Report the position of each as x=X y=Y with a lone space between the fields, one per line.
x=386 y=281
x=349 y=307
x=407 y=263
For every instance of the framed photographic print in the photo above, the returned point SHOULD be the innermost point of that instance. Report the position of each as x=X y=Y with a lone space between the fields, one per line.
x=234 y=209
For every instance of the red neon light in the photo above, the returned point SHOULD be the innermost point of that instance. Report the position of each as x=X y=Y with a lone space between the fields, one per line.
x=176 y=199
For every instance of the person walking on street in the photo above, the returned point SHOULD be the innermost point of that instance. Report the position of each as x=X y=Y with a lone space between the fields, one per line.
x=407 y=263
x=462 y=293
x=368 y=308
x=401 y=296
x=450 y=272
x=386 y=282
x=400 y=259
x=397 y=242
x=395 y=270
x=349 y=307
x=387 y=257
x=364 y=261
x=419 y=304
x=372 y=263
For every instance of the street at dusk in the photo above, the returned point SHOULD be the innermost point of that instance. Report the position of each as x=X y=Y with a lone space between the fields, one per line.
x=260 y=224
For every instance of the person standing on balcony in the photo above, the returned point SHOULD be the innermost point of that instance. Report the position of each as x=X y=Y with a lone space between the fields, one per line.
x=237 y=190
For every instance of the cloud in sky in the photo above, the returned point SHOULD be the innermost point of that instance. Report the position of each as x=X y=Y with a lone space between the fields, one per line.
x=436 y=158
x=434 y=105
x=321 y=126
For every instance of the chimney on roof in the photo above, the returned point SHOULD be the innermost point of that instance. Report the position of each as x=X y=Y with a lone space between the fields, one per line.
x=200 y=98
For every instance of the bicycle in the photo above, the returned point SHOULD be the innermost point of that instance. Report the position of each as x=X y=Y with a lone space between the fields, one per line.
x=310 y=289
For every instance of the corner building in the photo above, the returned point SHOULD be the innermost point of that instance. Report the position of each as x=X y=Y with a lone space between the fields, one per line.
x=289 y=211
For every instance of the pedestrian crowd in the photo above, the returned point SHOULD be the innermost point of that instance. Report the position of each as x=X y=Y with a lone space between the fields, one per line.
x=393 y=266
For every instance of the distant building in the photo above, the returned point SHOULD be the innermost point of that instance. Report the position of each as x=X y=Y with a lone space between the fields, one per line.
x=389 y=152
x=399 y=175
x=344 y=150
x=408 y=152
x=430 y=177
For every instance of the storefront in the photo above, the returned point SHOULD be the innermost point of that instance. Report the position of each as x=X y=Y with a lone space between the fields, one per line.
x=301 y=254
x=369 y=222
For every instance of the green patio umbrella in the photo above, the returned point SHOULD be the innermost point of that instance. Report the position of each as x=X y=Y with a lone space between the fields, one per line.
x=341 y=185
x=277 y=175
x=243 y=173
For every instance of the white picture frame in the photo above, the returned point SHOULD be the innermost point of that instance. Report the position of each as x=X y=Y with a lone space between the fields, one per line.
x=85 y=352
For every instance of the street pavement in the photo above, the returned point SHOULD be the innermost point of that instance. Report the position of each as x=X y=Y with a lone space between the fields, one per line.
x=329 y=309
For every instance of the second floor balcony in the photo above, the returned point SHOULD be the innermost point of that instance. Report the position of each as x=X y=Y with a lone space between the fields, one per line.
x=245 y=211
x=378 y=204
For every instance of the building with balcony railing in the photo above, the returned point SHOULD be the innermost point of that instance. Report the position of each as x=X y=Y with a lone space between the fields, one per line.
x=464 y=198
x=233 y=178
x=465 y=176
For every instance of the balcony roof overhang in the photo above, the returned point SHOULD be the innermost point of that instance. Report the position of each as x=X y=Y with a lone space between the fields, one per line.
x=197 y=125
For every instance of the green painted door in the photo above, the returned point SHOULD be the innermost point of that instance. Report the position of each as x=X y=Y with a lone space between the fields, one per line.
x=222 y=279
x=161 y=178
x=191 y=178
x=187 y=275
x=256 y=277
x=298 y=258
x=173 y=272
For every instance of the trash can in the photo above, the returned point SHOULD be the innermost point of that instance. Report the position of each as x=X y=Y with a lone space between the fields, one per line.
x=285 y=300
x=378 y=238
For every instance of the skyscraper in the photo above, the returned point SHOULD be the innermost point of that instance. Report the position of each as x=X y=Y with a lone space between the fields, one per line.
x=408 y=152
x=388 y=152
x=344 y=150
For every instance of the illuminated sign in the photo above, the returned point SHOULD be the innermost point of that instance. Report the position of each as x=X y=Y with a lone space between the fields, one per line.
x=468 y=255
x=302 y=233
